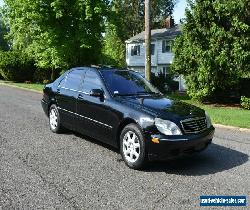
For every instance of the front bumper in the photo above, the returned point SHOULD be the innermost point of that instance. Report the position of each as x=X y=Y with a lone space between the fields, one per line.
x=175 y=146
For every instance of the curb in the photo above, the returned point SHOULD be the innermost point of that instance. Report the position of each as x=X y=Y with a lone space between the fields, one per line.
x=14 y=86
x=232 y=128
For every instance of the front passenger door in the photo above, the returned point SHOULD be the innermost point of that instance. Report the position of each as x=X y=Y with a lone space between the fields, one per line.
x=95 y=117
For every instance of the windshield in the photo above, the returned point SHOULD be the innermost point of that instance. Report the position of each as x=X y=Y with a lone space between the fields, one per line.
x=122 y=82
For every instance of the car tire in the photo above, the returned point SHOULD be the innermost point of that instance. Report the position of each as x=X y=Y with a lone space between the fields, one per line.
x=54 y=119
x=132 y=147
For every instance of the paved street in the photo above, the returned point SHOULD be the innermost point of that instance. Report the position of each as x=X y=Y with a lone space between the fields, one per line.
x=42 y=170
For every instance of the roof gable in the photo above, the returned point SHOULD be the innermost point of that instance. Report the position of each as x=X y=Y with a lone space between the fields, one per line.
x=162 y=33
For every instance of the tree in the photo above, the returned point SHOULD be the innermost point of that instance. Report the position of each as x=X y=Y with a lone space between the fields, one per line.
x=214 y=48
x=59 y=34
x=113 y=47
x=3 y=32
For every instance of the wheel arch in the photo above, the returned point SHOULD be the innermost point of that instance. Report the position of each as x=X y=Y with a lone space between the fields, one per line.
x=51 y=102
x=122 y=125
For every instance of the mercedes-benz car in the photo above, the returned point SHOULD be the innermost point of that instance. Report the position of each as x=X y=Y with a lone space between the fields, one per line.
x=121 y=108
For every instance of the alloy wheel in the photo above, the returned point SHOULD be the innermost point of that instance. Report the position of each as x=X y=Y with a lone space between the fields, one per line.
x=53 y=119
x=131 y=147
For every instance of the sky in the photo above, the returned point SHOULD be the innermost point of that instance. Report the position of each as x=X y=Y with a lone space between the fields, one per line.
x=178 y=11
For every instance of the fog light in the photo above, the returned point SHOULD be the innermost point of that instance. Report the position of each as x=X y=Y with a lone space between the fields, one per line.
x=155 y=140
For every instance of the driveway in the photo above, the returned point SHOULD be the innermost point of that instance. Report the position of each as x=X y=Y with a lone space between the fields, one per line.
x=43 y=170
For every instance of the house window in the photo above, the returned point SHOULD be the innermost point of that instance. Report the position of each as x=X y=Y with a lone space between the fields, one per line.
x=166 y=46
x=152 y=49
x=135 y=50
x=165 y=70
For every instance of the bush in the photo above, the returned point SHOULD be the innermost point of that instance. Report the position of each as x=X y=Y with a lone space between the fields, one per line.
x=245 y=102
x=16 y=66
x=41 y=75
x=245 y=87
x=164 y=83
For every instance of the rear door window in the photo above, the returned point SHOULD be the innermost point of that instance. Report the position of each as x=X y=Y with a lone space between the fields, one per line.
x=73 y=80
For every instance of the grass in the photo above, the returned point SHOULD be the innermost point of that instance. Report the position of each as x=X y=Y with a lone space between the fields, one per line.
x=221 y=114
x=232 y=116
x=38 y=87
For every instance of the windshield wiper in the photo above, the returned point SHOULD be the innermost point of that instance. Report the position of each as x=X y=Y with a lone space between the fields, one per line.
x=124 y=94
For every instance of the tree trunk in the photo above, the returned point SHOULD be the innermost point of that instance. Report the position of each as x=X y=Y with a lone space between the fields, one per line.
x=52 y=76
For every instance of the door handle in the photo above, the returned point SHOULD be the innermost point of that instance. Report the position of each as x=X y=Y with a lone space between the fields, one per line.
x=80 y=96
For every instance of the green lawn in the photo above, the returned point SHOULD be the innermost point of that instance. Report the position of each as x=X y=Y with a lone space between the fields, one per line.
x=38 y=87
x=231 y=116
x=220 y=115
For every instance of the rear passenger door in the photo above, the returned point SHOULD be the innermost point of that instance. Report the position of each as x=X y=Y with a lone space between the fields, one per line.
x=67 y=94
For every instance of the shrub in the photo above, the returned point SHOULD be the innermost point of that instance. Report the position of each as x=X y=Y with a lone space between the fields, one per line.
x=41 y=74
x=245 y=87
x=164 y=83
x=245 y=102
x=16 y=66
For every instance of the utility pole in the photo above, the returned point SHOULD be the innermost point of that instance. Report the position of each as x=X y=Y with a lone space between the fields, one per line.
x=147 y=39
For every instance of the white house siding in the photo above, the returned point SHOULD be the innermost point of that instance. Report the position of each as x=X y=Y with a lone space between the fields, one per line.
x=159 y=59
x=138 y=60
x=163 y=58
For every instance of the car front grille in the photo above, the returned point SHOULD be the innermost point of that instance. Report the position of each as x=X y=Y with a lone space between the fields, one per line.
x=194 y=125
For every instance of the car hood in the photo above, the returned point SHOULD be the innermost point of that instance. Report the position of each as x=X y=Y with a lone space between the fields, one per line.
x=164 y=107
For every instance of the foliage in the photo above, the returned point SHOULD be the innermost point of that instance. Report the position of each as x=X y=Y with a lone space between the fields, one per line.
x=3 y=31
x=58 y=34
x=128 y=15
x=245 y=102
x=16 y=66
x=214 y=48
x=41 y=75
x=113 y=48
x=164 y=83
x=245 y=87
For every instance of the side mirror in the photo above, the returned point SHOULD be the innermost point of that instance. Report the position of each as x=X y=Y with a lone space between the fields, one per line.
x=97 y=93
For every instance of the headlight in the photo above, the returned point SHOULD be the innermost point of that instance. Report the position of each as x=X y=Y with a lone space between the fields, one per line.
x=167 y=127
x=208 y=119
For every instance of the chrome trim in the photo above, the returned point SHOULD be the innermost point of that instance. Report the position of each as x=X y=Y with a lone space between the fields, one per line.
x=74 y=90
x=193 y=119
x=86 y=117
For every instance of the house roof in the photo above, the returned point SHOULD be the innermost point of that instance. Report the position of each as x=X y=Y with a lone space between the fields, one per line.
x=162 y=33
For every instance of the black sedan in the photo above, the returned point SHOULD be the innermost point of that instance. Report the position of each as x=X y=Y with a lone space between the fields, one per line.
x=121 y=108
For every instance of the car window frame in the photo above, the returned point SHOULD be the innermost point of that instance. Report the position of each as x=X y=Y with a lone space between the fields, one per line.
x=66 y=77
x=104 y=87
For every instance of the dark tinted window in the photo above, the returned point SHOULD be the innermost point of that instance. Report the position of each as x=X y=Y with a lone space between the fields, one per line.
x=152 y=49
x=92 y=81
x=127 y=83
x=166 y=46
x=73 y=80
x=135 y=50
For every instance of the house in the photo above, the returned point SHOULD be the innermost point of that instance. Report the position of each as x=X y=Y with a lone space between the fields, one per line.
x=161 y=52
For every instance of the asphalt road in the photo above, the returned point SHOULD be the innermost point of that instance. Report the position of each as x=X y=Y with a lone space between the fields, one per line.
x=42 y=170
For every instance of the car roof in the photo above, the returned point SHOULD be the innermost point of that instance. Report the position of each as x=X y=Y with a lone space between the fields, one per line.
x=99 y=68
